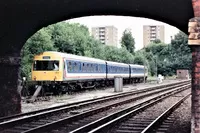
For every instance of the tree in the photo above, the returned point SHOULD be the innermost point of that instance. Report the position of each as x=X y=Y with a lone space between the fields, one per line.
x=156 y=41
x=74 y=39
x=70 y=38
x=39 y=42
x=180 y=50
x=169 y=57
x=128 y=41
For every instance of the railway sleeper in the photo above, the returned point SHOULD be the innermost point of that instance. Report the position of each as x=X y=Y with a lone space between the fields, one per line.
x=125 y=131
x=131 y=128
x=22 y=128
x=163 y=129
x=135 y=124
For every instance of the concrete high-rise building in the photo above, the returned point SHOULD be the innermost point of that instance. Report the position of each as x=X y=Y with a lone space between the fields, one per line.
x=106 y=34
x=152 y=32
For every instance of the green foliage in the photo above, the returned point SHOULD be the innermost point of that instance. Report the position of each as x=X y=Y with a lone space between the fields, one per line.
x=168 y=57
x=139 y=59
x=128 y=41
x=75 y=39
x=39 y=42
x=69 y=38
x=118 y=55
x=156 y=41
x=155 y=48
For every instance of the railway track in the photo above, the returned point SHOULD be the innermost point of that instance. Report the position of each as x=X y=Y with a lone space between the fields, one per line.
x=165 y=120
x=57 y=117
x=151 y=118
x=85 y=103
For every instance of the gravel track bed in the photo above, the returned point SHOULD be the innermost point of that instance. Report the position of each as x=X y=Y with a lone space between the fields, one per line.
x=90 y=119
x=116 y=100
x=84 y=121
x=182 y=119
x=146 y=117
x=80 y=96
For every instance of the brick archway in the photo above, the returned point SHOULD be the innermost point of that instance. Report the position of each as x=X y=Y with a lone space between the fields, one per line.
x=21 y=19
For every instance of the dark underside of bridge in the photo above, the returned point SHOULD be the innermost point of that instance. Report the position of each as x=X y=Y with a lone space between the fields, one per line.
x=22 y=18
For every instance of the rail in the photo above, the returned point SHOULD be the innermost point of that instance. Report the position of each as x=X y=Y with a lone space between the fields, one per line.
x=90 y=101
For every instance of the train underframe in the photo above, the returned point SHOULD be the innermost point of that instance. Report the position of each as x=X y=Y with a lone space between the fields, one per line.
x=57 y=88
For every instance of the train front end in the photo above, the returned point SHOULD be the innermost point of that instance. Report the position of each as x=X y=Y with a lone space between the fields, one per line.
x=47 y=67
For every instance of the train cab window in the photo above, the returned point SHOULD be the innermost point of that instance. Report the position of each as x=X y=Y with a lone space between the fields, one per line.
x=41 y=65
x=56 y=66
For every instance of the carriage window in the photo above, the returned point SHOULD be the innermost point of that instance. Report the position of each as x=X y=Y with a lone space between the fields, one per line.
x=75 y=67
x=41 y=65
x=83 y=67
x=99 y=68
x=69 y=66
x=88 y=68
x=96 y=68
x=79 y=67
x=91 y=68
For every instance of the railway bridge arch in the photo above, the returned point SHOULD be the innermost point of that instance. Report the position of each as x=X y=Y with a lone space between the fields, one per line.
x=21 y=19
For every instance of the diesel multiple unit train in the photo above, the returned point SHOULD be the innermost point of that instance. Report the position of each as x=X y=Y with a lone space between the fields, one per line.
x=60 y=72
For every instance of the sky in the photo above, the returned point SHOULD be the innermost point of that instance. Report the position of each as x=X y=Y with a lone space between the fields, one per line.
x=122 y=22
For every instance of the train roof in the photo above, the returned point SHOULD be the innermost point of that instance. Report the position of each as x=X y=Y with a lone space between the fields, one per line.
x=137 y=66
x=116 y=63
x=71 y=56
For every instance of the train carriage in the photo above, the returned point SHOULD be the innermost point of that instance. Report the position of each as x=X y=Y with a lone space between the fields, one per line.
x=62 y=72
x=83 y=68
x=116 y=69
x=69 y=67
x=138 y=72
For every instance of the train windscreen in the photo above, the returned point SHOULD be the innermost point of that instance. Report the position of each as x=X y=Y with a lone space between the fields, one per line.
x=50 y=65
